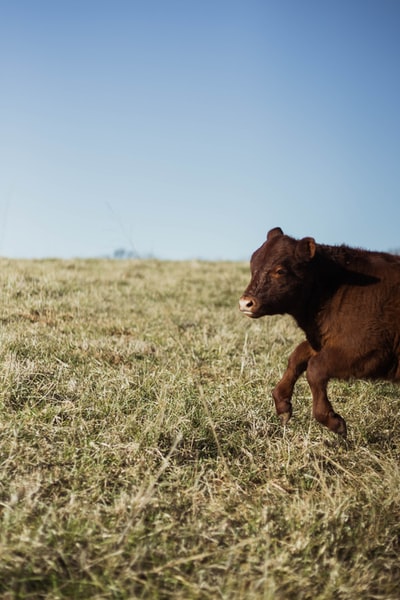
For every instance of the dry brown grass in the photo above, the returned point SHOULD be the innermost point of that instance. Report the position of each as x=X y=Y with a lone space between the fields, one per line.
x=140 y=456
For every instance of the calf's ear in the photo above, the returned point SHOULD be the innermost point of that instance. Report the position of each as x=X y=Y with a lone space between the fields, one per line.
x=305 y=249
x=274 y=233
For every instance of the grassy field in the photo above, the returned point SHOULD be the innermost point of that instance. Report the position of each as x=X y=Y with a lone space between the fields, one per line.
x=140 y=455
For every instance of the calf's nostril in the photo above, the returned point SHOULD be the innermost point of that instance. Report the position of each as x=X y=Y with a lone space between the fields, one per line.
x=246 y=303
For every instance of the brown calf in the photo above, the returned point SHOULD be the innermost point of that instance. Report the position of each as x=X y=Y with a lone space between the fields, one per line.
x=346 y=300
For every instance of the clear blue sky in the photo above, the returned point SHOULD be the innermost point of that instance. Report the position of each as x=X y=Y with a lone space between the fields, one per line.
x=188 y=128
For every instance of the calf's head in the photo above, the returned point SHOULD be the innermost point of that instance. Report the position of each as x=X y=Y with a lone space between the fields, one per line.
x=280 y=272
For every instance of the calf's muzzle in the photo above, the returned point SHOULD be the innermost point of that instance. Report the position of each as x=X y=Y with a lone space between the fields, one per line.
x=248 y=305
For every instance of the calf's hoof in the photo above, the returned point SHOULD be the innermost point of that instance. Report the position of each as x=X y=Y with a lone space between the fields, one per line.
x=342 y=429
x=283 y=406
x=337 y=424
x=284 y=417
x=333 y=422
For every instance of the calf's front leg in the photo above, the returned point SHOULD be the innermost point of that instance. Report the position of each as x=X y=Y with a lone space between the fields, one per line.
x=282 y=394
x=318 y=376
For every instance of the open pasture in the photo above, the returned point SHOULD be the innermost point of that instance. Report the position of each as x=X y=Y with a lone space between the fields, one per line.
x=140 y=454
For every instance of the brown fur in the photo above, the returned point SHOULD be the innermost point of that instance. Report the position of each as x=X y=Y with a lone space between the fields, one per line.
x=346 y=300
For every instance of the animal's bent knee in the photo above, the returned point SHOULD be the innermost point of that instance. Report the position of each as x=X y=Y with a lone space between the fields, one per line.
x=315 y=374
